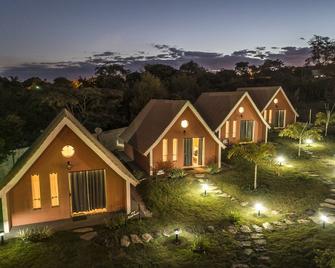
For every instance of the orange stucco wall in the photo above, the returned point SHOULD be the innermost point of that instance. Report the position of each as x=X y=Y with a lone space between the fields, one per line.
x=194 y=130
x=281 y=105
x=249 y=114
x=51 y=160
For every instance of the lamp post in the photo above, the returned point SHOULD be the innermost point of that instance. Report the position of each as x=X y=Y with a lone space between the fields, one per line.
x=259 y=207
x=280 y=160
x=2 y=238
x=309 y=142
x=324 y=220
x=177 y=232
x=205 y=188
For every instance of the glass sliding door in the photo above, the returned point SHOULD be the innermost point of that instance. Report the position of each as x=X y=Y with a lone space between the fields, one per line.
x=246 y=130
x=88 y=190
x=279 y=119
x=193 y=151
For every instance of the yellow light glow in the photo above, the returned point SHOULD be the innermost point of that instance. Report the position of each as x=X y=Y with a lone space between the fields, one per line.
x=241 y=110
x=184 y=123
x=68 y=151
x=275 y=101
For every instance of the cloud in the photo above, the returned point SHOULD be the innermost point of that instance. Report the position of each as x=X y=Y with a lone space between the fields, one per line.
x=166 y=54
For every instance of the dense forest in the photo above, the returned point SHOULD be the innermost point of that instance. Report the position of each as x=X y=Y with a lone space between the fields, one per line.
x=114 y=95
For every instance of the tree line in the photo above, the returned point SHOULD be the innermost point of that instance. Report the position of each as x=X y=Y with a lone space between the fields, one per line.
x=114 y=95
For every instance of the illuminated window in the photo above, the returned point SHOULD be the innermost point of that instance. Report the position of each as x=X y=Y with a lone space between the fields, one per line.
x=174 y=149
x=227 y=130
x=234 y=129
x=165 y=149
x=54 y=189
x=68 y=151
x=270 y=116
x=36 y=191
x=265 y=114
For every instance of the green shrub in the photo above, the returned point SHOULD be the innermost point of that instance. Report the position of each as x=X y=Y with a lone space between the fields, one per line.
x=200 y=244
x=234 y=217
x=176 y=173
x=212 y=168
x=139 y=174
x=36 y=234
x=164 y=166
x=325 y=258
x=116 y=221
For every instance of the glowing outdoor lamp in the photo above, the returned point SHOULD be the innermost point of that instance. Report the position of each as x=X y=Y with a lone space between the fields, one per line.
x=241 y=110
x=324 y=220
x=309 y=142
x=67 y=151
x=205 y=188
x=177 y=231
x=259 y=207
x=184 y=123
x=280 y=160
x=275 y=101
x=2 y=238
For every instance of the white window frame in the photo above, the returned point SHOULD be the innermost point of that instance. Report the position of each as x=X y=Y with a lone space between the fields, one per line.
x=265 y=115
x=165 y=150
x=174 y=149
x=36 y=191
x=227 y=130
x=234 y=128
x=54 y=189
x=270 y=116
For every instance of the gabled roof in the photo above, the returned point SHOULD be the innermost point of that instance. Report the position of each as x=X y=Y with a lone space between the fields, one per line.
x=263 y=96
x=155 y=119
x=64 y=118
x=216 y=107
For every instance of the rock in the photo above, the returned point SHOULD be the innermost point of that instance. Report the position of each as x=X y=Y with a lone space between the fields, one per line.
x=217 y=191
x=267 y=226
x=89 y=236
x=326 y=205
x=310 y=212
x=244 y=204
x=329 y=200
x=240 y=265
x=232 y=229
x=248 y=251
x=245 y=229
x=199 y=175
x=332 y=190
x=135 y=239
x=147 y=237
x=245 y=244
x=125 y=241
x=303 y=221
x=210 y=229
x=224 y=195
x=260 y=242
x=232 y=198
x=264 y=258
x=274 y=212
x=242 y=237
x=257 y=236
x=257 y=228
x=83 y=230
x=166 y=233
x=287 y=221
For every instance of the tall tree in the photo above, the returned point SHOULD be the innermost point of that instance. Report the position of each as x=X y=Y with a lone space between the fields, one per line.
x=191 y=67
x=111 y=76
x=323 y=50
x=301 y=131
x=257 y=154
x=325 y=119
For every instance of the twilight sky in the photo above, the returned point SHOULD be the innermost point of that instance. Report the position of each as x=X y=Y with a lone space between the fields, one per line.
x=52 y=38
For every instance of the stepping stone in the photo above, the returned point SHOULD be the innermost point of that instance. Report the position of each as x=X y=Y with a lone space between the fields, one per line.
x=244 y=204
x=260 y=249
x=260 y=242
x=224 y=195
x=135 y=239
x=125 y=241
x=199 y=175
x=248 y=251
x=210 y=229
x=330 y=201
x=245 y=244
x=287 y=221
x=233 y=199
x=240 y=265
x=147 y=237
x=83 y=230
x=89 y=236
x=303 y=221
x=267 y=226
x=166 y=233
x=257 y=228
x=332 y=190
x=232 y=229
x=217 y=192
x=245 y=229
x=326 y=205
x=264 y=258
x=256 y=236
x=310 y=212
x=242 y=237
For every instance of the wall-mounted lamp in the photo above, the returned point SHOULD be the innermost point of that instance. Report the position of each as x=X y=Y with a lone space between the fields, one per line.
x=68 y=151
x=275 y=101
x=184 y=123
x=241 y=110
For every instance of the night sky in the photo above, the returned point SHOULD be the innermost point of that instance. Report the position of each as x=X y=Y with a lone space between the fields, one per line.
x=68 y=38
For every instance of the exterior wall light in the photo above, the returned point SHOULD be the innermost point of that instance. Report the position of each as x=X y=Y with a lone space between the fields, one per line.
x=68 y=151
x=184 y=123
x=275 y=101
x=241 y=110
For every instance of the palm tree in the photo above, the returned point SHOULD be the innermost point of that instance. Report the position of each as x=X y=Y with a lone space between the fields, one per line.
x=254 y=153
x=325 y=119
x=300 y=131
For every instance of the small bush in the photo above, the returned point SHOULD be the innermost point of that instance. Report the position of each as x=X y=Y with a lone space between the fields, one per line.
x=176 y=173
x=212 y=168
x=36 y=234
x=234 y=217
x=139 y=174
x=165 y=166
x=325 y=258
x=116 y=221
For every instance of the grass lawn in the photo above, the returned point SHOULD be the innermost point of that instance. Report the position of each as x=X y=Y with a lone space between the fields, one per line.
x=180 y=203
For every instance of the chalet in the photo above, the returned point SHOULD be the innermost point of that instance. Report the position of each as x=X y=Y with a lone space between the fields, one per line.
x=273 y=104
x=233 y=116
x=65 y=173
x=171 y=131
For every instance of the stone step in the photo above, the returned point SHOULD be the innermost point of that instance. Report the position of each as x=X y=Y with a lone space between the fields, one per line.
x=327 y=205
x=330 y=201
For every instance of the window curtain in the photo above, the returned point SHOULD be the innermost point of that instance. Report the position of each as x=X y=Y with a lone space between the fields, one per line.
x=79 y=191
x=188 y=152
x=246 y=130
x=96 y=189
x=201 y=148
